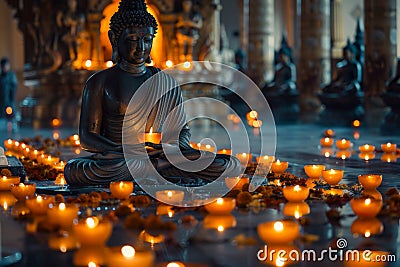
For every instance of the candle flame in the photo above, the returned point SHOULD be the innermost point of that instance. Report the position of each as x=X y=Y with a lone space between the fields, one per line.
x=278 y=161
x=170 y=213
x=75 y=137
x=280 y=262
x=92 y=222
x=128 y=251
x=169 y=194
x=367 y=234
x=39 y=199
x=327 y=139
x=389 y=144
x=5 y=205
x=169 y=63
x=297 y=214
x=297 y=188
x=151 y=130
x=4 y=178
x=92 y=264
x=16 y=143
x=343 y=141
x=23 y=146
x=278 y=226
x=21 y=185
x=61 y=206
x=109 y=64
x=244 y=154
x=63 y=249
x=220 y=228
x=220 y=201
x=9 y=141
x=367 y=201
x=121 y=185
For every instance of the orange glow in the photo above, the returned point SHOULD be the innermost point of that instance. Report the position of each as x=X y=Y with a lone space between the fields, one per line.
x=56 y=122
x=356 y=123
x=169 y=63
x=109 y=64
x=88 y=63
x=9 y=110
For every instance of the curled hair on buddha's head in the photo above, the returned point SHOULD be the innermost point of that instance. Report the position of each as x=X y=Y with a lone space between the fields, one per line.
x=131 y=13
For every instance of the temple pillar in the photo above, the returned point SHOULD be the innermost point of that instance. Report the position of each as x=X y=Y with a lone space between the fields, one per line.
x=380 y=55
x=313 y=67
x=97 y=56
x=244 y=24
x=261 y=40
x=337 y=34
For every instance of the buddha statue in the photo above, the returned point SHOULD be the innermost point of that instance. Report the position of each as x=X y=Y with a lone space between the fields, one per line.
x=284 y=77
x=108 y=117
x=392 y=99
x=348 y=77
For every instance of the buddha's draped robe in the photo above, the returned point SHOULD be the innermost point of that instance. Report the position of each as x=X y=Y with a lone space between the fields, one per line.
x=150 y=106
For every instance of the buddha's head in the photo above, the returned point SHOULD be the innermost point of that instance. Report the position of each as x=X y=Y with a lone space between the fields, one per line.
x=132 y=29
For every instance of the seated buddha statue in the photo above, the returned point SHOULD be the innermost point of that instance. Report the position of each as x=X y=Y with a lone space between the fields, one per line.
x=115 y=109
x=284 y=82
x=348 y=77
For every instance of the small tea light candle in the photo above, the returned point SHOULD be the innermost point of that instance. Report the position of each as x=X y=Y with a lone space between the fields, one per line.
x=7 y=182
x=150 y=137
x=62 y=215
x=389 y=148
x=296 y=209
x=244 y=158
x=295 y=193
x=236 y=182
x=332 y=176
x=121 y=189
x=366 y=226
x=343 y=144
x=326 y=142
x=343 y=154
x=23 y=191
x=172 y=197
x=63 y=243
x=366 y=207
x=127 y=256
x=219 y=222
x=221 y=206
x=92 y=231
x=165 y=210
x=327 y=152
x=39 y=205
x=278 y=232
x=225 y=151
x=7 y=199
x=314 y=171
x=266 y=160
x=8 y=144
x=370 y=181
x=366 y=156
x=366 y=148
x=279 y=167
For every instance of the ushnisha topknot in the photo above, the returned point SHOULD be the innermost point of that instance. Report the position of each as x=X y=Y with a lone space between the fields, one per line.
x=131 y=13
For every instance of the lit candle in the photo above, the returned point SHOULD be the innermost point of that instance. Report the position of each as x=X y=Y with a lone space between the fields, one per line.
x=327 y=152
x=236 y=182
x=59 y=166
x=266 y=160
x=90 y=256
x=326 y=142
x=34 y=154
x=373 y=193
x=225 y=151
x=366 y=226
x=92 y=231
x=151 y=238
x=295 y=193
x=389 y=157
x=279 y=167
x=366 y=148
x=150 y=137
x=205 y=147
x=221 y=206
x=366 y=156
x=278 y=232
x=296 y=209
x=164 y=210
x=172 y=197
x=244 y=158
x=370 y=181
x=314 y=171
x=332 y=176
x=7 y=199
x=127 y=256
x=343 y=144
x=219 y=222
x=389 y=148
x=366 y=207
x=23 y=191
x=63 y=243
x=8 y=144
x=7 y=182
x=333 y=192
x=121 y=189
x=39 y=205
x=62 y=215
x=329 y=133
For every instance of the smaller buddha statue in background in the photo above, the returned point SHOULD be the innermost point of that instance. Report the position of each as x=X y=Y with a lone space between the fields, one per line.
x=348 y=77
x=187 y=30
x=393 y=85
x=285 y=75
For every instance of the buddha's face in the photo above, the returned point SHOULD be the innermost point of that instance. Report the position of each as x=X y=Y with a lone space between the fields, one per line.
x=134 y=44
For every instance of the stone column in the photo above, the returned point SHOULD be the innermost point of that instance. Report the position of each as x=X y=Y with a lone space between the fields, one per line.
x=380 y=49
x=313 y=67
x=244 y=24
x=261 y=40
x=337 y=34
x=97 y=56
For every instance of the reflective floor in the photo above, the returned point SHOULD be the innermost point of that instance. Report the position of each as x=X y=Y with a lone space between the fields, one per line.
x=299 y=144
